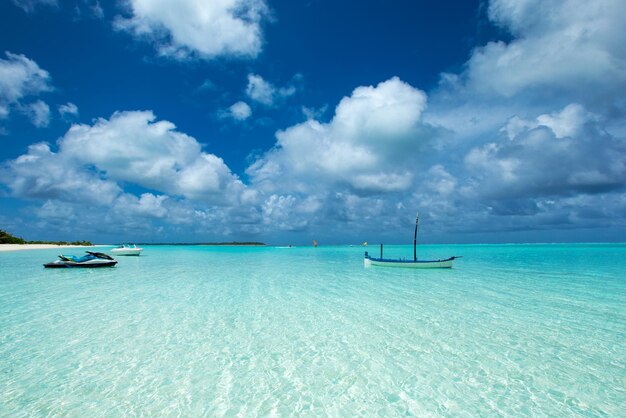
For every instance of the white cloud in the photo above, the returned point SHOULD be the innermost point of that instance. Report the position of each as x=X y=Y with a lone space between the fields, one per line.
x=260 y=90
x=568 y=122
x=153 y=155
x=383 y=182
x=43 y=174
x=370 y=145
x=278 y=211
x=440 y=181
x=92 y=7
x=240 y=111
x=265 y=92
x=147 y=204
x=53 y=209
x=198 y=28
x=520 y=139
x=68 y=110
x=535 y=118
x=560 y=53
x=130 y=147
x=558 y=154
x=39 y=113
x=30 y=5
x=207 y=85
x=312 y=113
x=96 y=10
x=21 y=77
x=557 y=46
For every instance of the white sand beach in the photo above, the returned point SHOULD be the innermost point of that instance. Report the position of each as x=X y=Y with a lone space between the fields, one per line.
x=20 y=247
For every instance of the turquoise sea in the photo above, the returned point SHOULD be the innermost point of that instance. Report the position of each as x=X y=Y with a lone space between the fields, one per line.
x=512 y=330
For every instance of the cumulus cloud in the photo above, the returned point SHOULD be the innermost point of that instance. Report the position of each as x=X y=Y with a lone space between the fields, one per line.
x=38 y=113
x=564 y=153
x=57 y=211
x=331 y=176
x=522 y=138
x=129 y=148
x=439 y=181
x=68 y=110
x=146 y=205
x=240 y=111
x=46 y=175
x=198 y=28
x=559 y=53
x=557 y=45
x=373 y=139
x=313 y=113
x=265 y=92
x=537 y=119
x=21 y=77
x=134 y=147
x=284 y=213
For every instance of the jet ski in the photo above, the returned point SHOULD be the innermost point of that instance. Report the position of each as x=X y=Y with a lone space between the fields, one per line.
x=91 y=259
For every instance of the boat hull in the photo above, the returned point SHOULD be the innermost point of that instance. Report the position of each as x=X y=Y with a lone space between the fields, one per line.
x=419 y=264
x=126 y=251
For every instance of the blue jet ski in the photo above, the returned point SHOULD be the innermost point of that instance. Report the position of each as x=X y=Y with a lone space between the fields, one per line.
x=91 y=259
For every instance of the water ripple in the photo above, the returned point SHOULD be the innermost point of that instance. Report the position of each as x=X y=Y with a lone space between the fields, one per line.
x=192 y=331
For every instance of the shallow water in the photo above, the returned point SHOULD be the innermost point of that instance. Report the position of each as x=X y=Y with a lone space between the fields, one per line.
x=187 y=330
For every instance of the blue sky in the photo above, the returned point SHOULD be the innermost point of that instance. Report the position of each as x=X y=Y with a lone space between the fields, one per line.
x=283 y=122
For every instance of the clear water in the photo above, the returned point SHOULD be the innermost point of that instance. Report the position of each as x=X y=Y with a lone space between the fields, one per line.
x=512 y=330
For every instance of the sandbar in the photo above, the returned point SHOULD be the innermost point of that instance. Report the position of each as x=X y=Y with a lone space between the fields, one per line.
x=20 y=247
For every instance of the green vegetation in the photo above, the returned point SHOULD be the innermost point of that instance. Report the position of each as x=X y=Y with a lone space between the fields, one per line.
x=84 y=243
x=6 y=238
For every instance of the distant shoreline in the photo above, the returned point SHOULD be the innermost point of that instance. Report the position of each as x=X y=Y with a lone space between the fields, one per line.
x=20 y=247
x=211 y=244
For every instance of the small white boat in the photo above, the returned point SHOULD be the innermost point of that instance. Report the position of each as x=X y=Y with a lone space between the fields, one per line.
x=126 y=249
x=445 y=263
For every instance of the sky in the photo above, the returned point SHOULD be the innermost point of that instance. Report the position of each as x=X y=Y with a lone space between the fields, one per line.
x=282 y=122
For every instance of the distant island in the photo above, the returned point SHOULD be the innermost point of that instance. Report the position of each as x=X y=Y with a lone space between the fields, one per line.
x=6 y=238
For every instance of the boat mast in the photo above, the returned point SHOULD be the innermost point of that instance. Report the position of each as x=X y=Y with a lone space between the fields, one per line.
x=415 y=238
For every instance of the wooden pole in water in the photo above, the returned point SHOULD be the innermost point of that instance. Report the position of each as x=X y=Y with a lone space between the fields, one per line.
x=415 y=238
x=381 y=251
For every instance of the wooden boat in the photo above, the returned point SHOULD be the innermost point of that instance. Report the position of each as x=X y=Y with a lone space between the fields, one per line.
x=415 y=263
